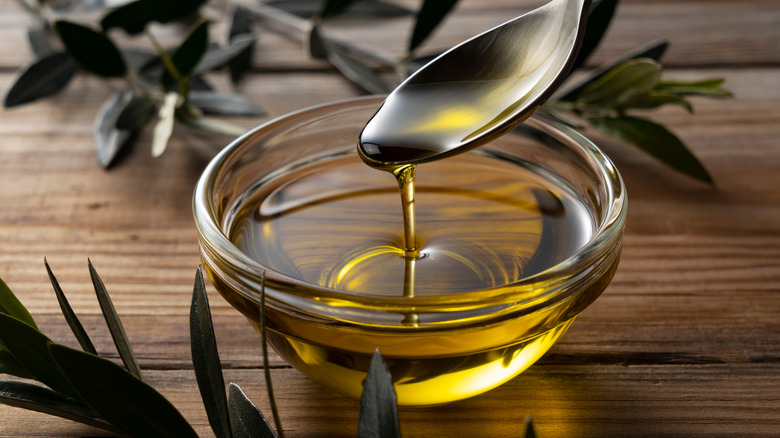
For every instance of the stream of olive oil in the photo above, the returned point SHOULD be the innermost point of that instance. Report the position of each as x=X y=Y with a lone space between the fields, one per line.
x=482 y=221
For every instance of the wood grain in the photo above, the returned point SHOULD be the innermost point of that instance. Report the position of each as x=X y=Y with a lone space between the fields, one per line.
x=684 y=342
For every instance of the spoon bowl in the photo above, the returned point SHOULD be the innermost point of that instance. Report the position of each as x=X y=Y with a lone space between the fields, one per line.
x=478 y=90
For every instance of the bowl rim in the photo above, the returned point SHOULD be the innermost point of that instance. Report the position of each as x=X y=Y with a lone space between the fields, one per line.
x=607 y=234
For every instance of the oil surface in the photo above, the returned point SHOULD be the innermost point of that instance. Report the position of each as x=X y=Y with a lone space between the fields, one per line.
x=481 y=222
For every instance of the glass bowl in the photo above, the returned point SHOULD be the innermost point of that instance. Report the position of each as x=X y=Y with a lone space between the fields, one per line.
x=442 y=345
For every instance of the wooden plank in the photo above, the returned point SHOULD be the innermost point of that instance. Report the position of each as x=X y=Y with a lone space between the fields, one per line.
x=583 y=401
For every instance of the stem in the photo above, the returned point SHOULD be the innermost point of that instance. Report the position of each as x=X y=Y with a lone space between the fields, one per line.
x=169 y=65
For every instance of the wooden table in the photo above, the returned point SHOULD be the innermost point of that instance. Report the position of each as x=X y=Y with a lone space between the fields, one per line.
x=684 y=342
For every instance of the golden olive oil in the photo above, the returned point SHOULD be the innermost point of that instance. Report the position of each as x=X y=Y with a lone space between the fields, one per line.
x=482 y=221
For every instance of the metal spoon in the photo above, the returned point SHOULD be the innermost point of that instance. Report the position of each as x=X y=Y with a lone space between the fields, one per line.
x=478 y=90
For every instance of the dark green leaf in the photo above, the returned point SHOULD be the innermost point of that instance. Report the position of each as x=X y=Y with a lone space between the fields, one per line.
x=357 y=72
x=246 y=421
x=43 y=78
x=241 y=30
x=70 y=315
x=30 y=349
x=115 y=326
x=625 y=83
x=316 y=44
x=44 y=400
x=653 y=51
x=219 y=57
x=334 y=7
x=137 y=113
x=378 y=411
x=361 y=9
x=529 y=428
x=190 y=52
x=205 y=360
x=122 y=399
x=9 y=364
x=655 y=140
x=707 y=88
x=599 y=17
x=92 y=49
x=39 y=44
x=11 y=306
x=656 y=99
x=133 y=17
x=430 y=15
x=225 y=104
x=109 y=141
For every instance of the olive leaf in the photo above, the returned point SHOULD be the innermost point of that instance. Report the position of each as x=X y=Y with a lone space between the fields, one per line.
x=205 y=360
x=69 y=314
x=246 y=421
x=707 y=88
x=218 y=57
x=430 y=15
x=36 y=398
x=599 y=17
x=115 y=326
x=333 y=7
x=225 y=104
x=378 y=411
x=44 y=77
x=121 y=398
x=364 y=8
x=92 y=49
x=164 y=127
x=625 y=83
x=240 y=31
x=133 y=17
x=655 y=140
x=30 y=349
x=108 y=140
x=655 y=99
x=137 y=113
x=39 y=44
x=653 y=51
x=186 y=57
x=357 y=72
x=529 y=431
x=11 y=306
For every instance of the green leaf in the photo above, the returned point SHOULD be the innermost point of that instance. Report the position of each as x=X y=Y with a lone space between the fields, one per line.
x=121 y=398
x=529 y=428
x=9 y=365
x=655 y=140
x=599 y=17
x=246 y=421
x=92 y=49
x=655 y=99
x=30 y=349
x=333 y=7
x=707 y=88
x=190 y=52
x=39 y=399
x=137 y=113
x=627 y=82
x=362 y=9
x=42 y=78
x=133 y=17
x=430 y=15
x=378 y=411
x=241 y=31
x=357 y=72
x=108 y=140
x=115 y=326
x=653 y=50
x=70 y=315
x=225 y=104
x=205 y=360
x=219 y=57
x=11 y=306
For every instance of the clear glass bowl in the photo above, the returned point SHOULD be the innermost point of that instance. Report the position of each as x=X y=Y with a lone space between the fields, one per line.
x=463 y=343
